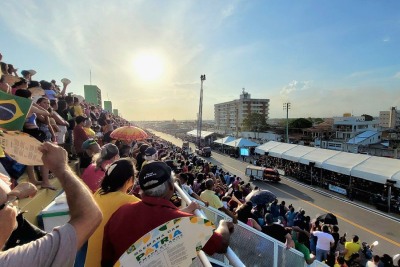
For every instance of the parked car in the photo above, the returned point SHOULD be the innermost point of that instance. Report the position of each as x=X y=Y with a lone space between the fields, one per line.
x=262 y=173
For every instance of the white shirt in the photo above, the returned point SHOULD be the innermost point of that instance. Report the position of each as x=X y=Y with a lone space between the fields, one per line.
x=324 y=240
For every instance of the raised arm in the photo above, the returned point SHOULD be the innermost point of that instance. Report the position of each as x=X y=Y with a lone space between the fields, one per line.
x=85 y=214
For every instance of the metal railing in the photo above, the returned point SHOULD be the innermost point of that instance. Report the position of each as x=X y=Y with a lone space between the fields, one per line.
x=250 y=247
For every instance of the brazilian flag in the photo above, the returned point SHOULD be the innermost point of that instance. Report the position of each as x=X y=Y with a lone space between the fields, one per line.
x=13 y=111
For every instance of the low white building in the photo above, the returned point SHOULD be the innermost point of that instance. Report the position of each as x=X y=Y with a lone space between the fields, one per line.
x=350 y=133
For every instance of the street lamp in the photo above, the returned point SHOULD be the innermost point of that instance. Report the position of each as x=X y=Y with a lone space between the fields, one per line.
x=200 y=115
x=286 y=106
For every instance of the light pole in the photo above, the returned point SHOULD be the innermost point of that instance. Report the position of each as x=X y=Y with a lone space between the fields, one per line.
x=200 y=115
x=287 y=107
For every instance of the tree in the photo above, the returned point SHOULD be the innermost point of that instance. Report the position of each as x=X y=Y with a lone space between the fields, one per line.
x=300 y=123
x=255 y=122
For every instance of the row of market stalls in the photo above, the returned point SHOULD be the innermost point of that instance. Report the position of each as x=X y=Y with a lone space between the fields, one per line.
x=371 y=168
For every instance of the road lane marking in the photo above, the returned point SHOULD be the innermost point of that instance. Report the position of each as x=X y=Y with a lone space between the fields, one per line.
x=342 y=218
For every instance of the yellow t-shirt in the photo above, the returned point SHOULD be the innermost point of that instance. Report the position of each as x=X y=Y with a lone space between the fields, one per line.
x=78 y=111
x=89 y=132
x=351 y=248
x=108 y=204
x=214 y=201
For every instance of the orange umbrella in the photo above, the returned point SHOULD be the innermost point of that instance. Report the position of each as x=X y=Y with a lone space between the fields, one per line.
x=128 y=133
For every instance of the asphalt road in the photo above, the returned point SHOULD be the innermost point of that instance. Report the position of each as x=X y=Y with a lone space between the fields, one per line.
x=354 y=218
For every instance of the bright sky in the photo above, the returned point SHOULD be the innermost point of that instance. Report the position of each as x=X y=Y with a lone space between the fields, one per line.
x=325 y=57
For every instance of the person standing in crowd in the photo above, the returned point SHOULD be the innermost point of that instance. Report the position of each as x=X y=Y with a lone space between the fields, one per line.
x=324 y=242
x=277 y=231
x=94 y=173
x=112 y=194
x=157 y=184
x=214 y=201
x=60 y=121
x=31 y=127
x=80 y=136
x=351 y=247
x=59 y=247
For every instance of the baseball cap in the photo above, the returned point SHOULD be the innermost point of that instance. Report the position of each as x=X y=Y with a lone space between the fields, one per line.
x=143 y=148
x=156 y=172
x=150 y=151
x=108 y=151
x=80 y=119
x=88 y=143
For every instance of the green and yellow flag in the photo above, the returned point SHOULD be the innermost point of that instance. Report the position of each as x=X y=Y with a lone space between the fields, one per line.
x=13 y=111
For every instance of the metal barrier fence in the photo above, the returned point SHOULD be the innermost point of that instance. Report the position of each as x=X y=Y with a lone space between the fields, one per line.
x=254 y=248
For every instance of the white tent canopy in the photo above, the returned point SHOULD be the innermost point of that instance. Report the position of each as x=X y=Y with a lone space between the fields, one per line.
x=318 y=156
x=297 y=152
x=378 y=169
x=277 y=151
x=241 y=142
x=203 y=134
x=224 y=140
x=344 y=162
x=266 y=147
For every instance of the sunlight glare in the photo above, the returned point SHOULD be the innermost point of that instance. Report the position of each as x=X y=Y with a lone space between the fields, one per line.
x=149 y=67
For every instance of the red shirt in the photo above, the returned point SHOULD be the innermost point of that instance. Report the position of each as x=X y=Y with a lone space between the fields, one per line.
x=133 y=220
x=79 y=137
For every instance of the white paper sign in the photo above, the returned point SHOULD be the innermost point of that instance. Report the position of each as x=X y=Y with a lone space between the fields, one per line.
x=174 y=243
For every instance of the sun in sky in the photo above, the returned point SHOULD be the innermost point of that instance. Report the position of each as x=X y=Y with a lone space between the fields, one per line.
x=148 y=66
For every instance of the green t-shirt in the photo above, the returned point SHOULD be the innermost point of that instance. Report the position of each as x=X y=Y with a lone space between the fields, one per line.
x=303 y=249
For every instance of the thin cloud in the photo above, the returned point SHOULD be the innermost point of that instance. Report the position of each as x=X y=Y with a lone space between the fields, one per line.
x=358 y=74
x=386 y=39
x=294 y=86
x=397 y=75
x=228 y=11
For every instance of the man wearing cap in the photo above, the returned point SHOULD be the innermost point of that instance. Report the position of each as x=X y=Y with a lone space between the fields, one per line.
x=89 y=147
x=59 y=247
x=140 y=156
x=150 y=155
x=132 y=221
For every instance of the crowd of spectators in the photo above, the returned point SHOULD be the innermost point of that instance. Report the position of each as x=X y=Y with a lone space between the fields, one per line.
x=117 y=180
x=354 y=188
x=82 y=132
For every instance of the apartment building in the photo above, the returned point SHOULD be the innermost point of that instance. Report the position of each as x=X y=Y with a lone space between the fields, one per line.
x=229 y=116
x=389 y=119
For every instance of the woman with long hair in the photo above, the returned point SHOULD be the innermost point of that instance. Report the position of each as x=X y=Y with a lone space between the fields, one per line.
x=119 y=177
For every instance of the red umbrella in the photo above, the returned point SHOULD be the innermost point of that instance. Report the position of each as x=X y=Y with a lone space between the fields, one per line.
x=128 y=133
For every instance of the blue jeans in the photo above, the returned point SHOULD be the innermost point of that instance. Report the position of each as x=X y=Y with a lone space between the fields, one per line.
x=321 y=254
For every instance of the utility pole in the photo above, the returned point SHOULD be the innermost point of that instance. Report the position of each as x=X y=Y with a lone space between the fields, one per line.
x=200 y=115
x=287 y=107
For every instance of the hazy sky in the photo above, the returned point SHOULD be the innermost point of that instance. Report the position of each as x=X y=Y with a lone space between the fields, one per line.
x=325 y=57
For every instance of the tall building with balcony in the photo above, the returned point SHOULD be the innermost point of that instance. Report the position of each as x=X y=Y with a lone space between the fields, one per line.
x=108 y=106
x=92 y=94
x=389 y=119
x=229 y=116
